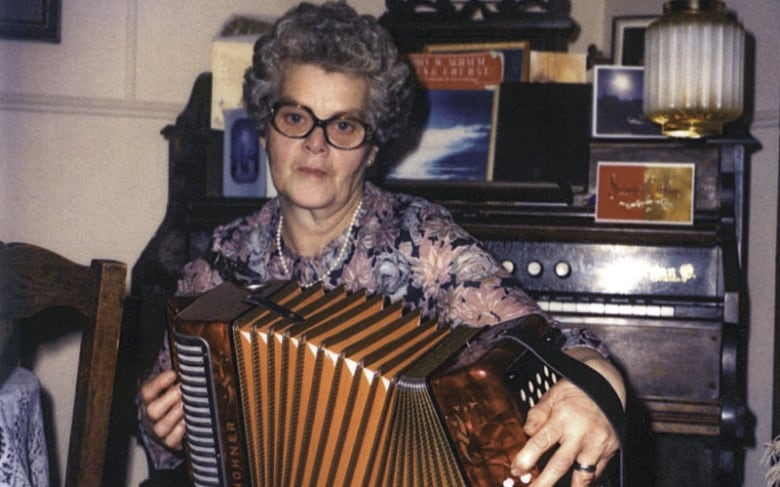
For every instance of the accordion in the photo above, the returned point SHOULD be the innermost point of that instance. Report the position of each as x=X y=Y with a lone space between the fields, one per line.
x=283 y=385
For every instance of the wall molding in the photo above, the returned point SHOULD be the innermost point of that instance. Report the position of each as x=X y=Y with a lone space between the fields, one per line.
x=90 y=106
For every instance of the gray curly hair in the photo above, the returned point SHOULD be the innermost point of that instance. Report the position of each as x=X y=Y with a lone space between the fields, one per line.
x=335 y=37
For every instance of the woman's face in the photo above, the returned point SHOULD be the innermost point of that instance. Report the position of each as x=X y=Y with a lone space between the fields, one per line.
x=309 y=173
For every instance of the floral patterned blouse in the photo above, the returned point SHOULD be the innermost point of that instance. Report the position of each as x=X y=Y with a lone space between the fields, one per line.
x=401 y=246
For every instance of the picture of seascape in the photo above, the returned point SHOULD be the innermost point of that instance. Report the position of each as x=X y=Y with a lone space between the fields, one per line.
x=456 y=142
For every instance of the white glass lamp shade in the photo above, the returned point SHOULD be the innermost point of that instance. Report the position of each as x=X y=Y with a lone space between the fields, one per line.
x=694 y=68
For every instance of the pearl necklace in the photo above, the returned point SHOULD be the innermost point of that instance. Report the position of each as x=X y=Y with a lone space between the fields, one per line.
x=337 y=262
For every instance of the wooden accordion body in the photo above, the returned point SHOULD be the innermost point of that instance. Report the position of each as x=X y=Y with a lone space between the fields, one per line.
x=290 y=386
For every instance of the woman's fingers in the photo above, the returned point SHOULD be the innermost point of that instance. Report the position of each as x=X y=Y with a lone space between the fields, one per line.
x=175 y=437
x=152 y=388
x=164 y=404
x=566 y=417
x=162 y=410
x=583 y=474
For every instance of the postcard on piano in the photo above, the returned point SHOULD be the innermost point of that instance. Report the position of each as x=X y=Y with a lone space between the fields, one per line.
x=651 y=193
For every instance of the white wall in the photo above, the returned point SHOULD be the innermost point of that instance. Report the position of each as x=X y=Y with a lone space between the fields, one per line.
x=83 y=169
x=759 y=17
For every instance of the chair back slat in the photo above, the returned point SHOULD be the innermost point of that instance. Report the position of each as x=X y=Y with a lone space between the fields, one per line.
x=33 y=280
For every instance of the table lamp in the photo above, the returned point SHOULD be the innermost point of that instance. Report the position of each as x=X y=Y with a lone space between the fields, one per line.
x=694 y=68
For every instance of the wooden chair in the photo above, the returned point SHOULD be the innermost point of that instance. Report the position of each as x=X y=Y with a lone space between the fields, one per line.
x=34 y=282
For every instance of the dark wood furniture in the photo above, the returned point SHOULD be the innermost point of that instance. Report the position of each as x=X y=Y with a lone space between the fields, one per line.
x=46 y=295
x=545 y=24
x=679 y=341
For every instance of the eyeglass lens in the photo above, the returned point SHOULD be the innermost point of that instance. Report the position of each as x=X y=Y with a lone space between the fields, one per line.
x=341 y=131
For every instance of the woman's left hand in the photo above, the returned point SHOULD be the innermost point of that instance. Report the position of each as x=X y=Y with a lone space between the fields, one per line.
x=566 y=416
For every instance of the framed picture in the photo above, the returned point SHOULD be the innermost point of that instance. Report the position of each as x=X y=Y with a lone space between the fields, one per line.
x=458 y=138
x=707 y=185
x=628 y=39
x=645 y=192
x=557 y=67
x=37 y=20
x=516 y=55
x=543 y=134
x=617 y=104
x=244 y=164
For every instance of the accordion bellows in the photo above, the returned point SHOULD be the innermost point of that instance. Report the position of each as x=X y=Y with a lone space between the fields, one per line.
x=288 y=386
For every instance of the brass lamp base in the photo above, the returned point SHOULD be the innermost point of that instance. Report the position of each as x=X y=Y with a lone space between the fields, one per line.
x=691 y=129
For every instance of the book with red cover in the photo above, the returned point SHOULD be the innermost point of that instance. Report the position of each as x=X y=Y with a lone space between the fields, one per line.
x=459 y=70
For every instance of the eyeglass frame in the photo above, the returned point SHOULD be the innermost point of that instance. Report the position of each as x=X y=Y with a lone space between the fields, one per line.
x=318 y=122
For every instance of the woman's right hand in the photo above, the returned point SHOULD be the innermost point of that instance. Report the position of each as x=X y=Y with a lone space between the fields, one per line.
x=162 y=412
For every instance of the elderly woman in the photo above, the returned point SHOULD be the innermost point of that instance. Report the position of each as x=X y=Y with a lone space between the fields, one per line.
x=328 y=90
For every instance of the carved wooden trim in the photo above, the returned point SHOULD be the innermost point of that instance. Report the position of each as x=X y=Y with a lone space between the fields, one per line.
x=544 y=23
x=475 y=9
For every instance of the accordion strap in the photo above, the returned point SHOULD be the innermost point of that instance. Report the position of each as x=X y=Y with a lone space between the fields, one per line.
x=547 y=349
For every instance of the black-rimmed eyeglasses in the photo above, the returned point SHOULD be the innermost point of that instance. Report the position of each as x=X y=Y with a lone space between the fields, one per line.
x=342 y=131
